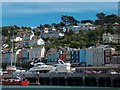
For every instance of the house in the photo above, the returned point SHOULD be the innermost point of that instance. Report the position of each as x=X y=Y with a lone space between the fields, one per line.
x=86 y=26
x=7 y=56
x=89 y=57
x=34 y=52
x=51 y=34
x=75 y=29
x=107 y=38
x=116 y=38
x=62 y=53
x=82 y=58
x=111 y=38
x=98 y=56
x=23 y=55
x=52 y=56
x=115 y=58
x=74 y=57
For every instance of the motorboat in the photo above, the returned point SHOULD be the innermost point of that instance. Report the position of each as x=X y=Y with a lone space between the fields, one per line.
x=12 y=81
x=40 y=67
x=15 y=81
x=62 y=67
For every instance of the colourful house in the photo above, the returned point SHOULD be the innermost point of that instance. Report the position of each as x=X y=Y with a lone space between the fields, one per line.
x=74 y=57
x=82 y=58
x=52 y=56
x=89 y=57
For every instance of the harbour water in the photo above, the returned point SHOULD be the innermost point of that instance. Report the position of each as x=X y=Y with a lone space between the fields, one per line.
x=57 y=88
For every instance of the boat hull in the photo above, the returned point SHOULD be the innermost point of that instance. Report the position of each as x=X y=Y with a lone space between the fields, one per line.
x=11 y=83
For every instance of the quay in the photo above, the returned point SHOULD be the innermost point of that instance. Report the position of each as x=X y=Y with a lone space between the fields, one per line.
x=98 y=68
x=74 y=79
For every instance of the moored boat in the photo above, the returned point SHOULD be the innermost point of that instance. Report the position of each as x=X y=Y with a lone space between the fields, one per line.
x=15 y=81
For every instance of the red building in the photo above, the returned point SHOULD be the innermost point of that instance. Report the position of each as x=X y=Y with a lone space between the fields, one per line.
x=62 y=56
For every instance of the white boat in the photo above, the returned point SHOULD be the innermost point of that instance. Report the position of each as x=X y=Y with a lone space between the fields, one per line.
x=62 y=67
x=40 y=67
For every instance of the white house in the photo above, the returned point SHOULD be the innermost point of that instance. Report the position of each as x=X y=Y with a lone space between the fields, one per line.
x=107 y=38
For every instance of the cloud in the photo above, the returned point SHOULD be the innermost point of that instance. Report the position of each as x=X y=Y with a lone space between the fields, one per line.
x=41 y=8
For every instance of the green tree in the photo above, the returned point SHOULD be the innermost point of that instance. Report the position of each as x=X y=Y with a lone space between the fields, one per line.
x=87 y=21
x=110 y=28
x=112 y=19
x=100 y=19
x=69 y=20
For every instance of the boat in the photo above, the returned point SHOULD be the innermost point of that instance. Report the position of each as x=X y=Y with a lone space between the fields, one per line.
x=14 y=81
x=40 y=67
x=62 y=67
x=25 y=82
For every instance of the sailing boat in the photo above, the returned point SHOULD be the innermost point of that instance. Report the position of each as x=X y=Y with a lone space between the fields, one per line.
x=11 y=68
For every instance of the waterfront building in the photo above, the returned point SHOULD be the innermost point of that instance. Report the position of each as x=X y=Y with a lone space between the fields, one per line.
x=89 y=57
x=34 y=53
x=108 y=55
x=62 y=53
x=115 y=59
x=24 y=55
x=74 y=57
x=82 y=58
x=98 y=56
x=6 y=57
x=52 y=56
x=68 y=56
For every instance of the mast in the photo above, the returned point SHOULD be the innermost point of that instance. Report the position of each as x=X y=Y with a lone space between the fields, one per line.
x=12 y=57
x=1 y=48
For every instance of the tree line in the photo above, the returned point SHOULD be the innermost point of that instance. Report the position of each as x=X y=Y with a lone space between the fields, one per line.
x=75 y=40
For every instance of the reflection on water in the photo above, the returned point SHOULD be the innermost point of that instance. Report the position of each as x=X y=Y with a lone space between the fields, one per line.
x=56 y=87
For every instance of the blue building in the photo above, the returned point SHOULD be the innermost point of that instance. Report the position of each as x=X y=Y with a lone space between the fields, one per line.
x=25 y=55
x=52 y=56
x=74 y=57
x=82 y=58
x=6 y=57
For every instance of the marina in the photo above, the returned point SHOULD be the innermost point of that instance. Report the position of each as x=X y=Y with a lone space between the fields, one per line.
x=62 y=74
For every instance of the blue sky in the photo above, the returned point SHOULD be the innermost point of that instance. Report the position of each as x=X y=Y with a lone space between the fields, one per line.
x=35 y=13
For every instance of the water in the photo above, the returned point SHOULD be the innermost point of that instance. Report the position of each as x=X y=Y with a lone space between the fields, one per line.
x=57 y=88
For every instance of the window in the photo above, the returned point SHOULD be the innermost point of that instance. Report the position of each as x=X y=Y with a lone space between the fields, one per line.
x=119 y=59
x=107 y=52
x=114 y=59
x=107 y=60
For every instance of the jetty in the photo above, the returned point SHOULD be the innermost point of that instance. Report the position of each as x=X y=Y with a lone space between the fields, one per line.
x=73 y=79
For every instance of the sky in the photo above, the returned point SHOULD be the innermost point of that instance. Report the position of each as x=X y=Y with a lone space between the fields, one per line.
x=36 y=13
